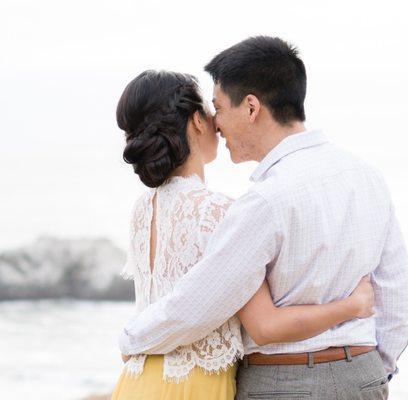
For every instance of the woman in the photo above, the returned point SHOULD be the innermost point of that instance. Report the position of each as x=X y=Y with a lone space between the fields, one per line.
x=170 y=136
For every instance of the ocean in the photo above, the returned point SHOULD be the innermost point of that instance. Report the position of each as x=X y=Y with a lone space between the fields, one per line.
x=67 y=350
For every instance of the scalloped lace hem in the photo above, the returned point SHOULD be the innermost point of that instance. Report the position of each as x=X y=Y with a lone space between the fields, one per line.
x=213 y=369
x=135 y=367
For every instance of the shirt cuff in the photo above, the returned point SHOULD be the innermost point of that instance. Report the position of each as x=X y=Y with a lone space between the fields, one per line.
x=124 y=343
x=390 y=376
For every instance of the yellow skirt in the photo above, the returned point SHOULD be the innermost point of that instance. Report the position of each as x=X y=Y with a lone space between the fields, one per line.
x=198 y=386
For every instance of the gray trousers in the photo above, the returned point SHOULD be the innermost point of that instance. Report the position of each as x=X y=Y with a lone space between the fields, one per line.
x=361 y=377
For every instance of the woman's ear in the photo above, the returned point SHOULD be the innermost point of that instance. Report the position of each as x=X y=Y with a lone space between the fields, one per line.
x=195 y=127
x=198 y=122
x=254 y=107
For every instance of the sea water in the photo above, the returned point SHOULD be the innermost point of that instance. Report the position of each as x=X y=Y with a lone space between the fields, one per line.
x=67 y=350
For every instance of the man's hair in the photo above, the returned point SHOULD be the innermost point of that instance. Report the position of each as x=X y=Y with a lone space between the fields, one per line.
x=268 y=68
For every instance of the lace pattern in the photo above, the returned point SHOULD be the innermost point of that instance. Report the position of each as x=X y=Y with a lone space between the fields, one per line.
x=186 y=215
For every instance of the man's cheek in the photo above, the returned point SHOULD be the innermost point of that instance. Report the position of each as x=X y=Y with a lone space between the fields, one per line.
x=217 y=122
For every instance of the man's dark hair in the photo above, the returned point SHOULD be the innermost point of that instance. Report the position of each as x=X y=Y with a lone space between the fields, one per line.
x=268 y=68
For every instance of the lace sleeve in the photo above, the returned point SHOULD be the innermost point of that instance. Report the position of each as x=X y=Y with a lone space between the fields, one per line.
x=136 y=248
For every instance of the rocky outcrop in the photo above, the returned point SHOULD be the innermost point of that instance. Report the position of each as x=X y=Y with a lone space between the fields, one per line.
x=52 y=267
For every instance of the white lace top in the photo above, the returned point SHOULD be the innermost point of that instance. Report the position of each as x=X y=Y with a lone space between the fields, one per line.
x=186 y=215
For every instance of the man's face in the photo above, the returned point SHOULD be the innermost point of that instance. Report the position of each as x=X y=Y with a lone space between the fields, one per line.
x=232 y=123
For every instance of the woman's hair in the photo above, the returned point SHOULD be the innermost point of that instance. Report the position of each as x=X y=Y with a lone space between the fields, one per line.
x=154 y=110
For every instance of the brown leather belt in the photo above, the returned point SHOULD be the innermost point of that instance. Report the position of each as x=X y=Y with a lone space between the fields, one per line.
x=322 y=356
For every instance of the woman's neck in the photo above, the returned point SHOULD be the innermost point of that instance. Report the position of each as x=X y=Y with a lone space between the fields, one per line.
x=190 y=167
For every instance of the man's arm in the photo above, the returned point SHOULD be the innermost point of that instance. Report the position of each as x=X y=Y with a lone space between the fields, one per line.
x=228 y=275
x=390 y=280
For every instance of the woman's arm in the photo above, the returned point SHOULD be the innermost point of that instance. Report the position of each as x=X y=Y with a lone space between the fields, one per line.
x=267 y=323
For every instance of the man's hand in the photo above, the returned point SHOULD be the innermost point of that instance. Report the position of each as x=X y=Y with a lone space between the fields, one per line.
x=125 y=357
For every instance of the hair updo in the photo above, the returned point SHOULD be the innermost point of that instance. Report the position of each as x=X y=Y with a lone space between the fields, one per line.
x=154 y=110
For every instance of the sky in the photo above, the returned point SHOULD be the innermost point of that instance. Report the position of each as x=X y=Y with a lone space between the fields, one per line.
x=64 y=65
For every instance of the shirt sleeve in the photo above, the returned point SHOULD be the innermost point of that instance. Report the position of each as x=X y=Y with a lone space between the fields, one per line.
x=390 y=280
x=229 y=273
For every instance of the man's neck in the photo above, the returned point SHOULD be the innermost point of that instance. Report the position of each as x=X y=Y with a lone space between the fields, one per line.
x=277 y=133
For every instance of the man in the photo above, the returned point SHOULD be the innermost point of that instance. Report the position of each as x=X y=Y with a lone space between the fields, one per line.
x=315 y=221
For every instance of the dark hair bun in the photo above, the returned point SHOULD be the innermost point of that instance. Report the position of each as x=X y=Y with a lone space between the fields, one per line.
x=154 y=111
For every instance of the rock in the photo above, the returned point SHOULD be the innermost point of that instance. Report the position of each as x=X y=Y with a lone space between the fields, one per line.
x=53 y=267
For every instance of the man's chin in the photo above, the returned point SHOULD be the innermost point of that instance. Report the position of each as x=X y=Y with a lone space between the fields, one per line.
x=234 y=158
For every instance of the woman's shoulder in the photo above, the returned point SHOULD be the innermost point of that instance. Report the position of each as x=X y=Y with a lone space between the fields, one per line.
x=206 y=198
x=143 y=198
x=141 y=202
x=219 y=199
x=209 y=207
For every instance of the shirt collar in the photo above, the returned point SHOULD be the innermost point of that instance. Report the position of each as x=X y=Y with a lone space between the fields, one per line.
x=290 y=144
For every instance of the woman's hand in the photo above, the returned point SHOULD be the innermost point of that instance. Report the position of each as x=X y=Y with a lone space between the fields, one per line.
x=362 y=298
x=125 y=357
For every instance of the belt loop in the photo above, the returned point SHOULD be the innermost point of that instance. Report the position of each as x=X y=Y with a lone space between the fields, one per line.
x=348 y=353
x=245 y=361
x=310 y=360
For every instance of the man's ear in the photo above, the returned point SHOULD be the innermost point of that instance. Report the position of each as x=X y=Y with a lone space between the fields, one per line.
x=254 y=107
